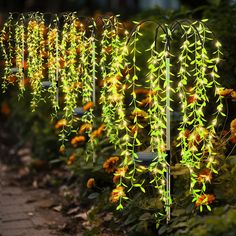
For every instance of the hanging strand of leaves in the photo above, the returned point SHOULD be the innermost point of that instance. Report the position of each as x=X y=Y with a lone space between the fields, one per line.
x=196 y=139
x=35 y=46
x=157 y=78
x=106 y=49
x=121 y=121
x=70 y=79
x=7 y=47
x=20 y=51
x=53 y=62
x=89 y=64
x=130 y=140
x=113 y=46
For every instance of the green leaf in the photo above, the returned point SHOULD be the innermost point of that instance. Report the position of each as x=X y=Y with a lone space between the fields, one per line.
x=142 y=189
x=208 y=207
x=119 y=207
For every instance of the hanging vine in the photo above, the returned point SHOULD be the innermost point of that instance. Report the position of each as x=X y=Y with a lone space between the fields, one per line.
x=7 y=47
x=20 y=51
x=89 y=64
x=112 y=63
x=196 y=137
x=53 y=62
x=70 y=77
x=157 y=111
x=35 y=46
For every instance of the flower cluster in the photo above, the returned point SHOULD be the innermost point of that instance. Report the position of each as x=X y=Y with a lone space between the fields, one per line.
x=230 y=93
x=85 y=127
x=205 y=199
x=71 y=160
x=60 y=124
x=117 y=193
x=77 y=139
x=233 y=131
x=90 y=183
x=205 y=175
x=98 y=132
x=110 y=164
x=119 y=173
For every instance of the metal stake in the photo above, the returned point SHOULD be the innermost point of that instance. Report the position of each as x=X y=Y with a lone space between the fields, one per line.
x=168 y=201
x=94 y=82
x=57 y=72
x=23 y=58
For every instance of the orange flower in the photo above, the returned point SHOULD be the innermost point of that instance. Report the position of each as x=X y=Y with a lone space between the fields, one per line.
x=225 y=92
x=205 y=176
x=12 y=79
x=95 y=134
x=62 y=62
x=90 y=183
x=43 y=28
x=186 y=133
x=139 y=113
x=85 y=127
x=87 y=106
x=32 y=24
x=133 y=128
x=233 y=95
x=117 y=193
x=108 y=49
x=101 y=129
x=76 y=85
x=26 y=81
x=205 y=199
x=141 y=91
x=120 y=173
x=125 y=71
x=192 y=99
x=5 y=109
x=62 y=149
x=233 y=127
x=77 y=139
x=116 y=179
x=233 y=139
x=98 y=132
x=233 y=124
x=110 y=164
x=146 y=101
x=60 y=124
x=197 y=136
x=71 y=159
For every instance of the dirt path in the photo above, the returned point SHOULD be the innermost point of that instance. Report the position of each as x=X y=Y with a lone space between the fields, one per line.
x=26 y=211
